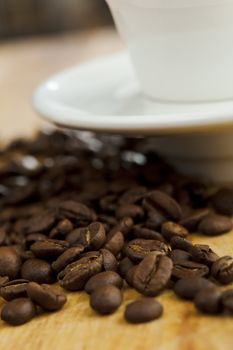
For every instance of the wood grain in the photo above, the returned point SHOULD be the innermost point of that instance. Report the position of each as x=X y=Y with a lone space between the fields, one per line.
x=77 y=327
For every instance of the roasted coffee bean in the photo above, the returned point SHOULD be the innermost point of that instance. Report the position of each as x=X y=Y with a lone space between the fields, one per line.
x=133 y=196
x=137 y=249
x=77 y=211
x=124 y=226
x=222 y=270
x=14 y=289
x=130 y=210
x=188 y=288
x=45 y=296
x=63 y=227
x=49 y=248
x=208 y=301
x=146 y=233
x=114 y=242
x=170 y=229
x=222 y=201
x=10 y=262
x=37 y=270
x=227 y=300
x=35 y=237
x=154 y=219
x=189 y=269
x=102 y=279
x=161 y=201
x=108 y=203
x=213 y=225
x=179 y=255
x=181 y=243
x=130 y=274
x=69 y=256
x=18 y=311
x=26 y=254
x=124 y=266
x=203 y=254
x=106 y=299
x=143 y=310
x=152 y=274
x=3 y=280
x=91 y=237
x=41 y=223
x=192 y=221
x=76 y=274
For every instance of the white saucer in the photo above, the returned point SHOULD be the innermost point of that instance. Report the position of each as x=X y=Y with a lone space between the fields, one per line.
x=104 y=96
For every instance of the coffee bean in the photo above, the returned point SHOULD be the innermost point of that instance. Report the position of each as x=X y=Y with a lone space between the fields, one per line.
x=192 y=221
x=152 y=274
x=102 y=279
x=77 y=211
x=76 y=274
x=63 y=227
x=45 y=296
x=3 y=280
x=222 y=270
x=146 y=233
x=143 y=310
x=130 y=210
x=189 y=269
x=35 y=237
x=124 y=226
x=222 y=201
x=161 y=201
x=154 y=219
x=130 y=275
x=188 y=288
x=49 y=249
x=124 y=266
x=227 y=300
x=18 y=311
x=14 y=289
x=213 y=225
x=10 y=262
x=133 y=196
x=41 y=223
x=69 y=256
x=208 y=301
x=114 y=242
x=203 y=254
x=179 y=255
x=37 y=270
x=181 y=243
x=170 y=229
x=137 y=249
x=106 y=299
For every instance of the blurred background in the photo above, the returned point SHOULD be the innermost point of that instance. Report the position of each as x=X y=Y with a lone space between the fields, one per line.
x=35 y=17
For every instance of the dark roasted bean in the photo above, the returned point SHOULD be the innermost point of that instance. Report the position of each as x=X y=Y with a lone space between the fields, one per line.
x=213 y=225
x=41 y=223
x=106 y=299
x=63 y=227
x=165 y=203
x=188 y=288
x=37 y=270
x=203 y=254
x=45 y=296
x=192 y=221
x=152 y=274
x=222 y=201
x=143 y=310
x=130 y=274
x=77 y=211
x=18 y=311
x=137 y=249
x=10 y=262
x=124 y=226
x=35 y=237
x=179 y=255
x=146 y=233
x=170 y=229
x=49 y=249
x=91 y=237
x=14 y=289
x=227 y=300
x=133 y=196
x=154 y=219
x=186 y=269
x=222 y=270
x=180 y=243
x=208 y=301
x=130 y=210
x=3 y=280
x=102 y=279
x=69 y=256
x=114 y=242
x=124 y=266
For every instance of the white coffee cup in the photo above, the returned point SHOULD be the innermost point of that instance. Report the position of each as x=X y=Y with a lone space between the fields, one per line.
x=182 y=50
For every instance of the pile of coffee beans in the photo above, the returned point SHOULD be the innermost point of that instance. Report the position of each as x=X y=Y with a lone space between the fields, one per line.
x=102 y=214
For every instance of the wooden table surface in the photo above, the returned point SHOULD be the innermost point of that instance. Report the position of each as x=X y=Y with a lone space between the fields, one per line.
x=23 y=65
